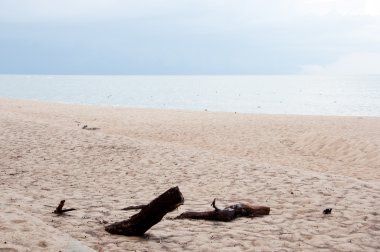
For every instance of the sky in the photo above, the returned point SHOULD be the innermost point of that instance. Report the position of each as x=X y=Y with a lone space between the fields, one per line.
x=190 y=37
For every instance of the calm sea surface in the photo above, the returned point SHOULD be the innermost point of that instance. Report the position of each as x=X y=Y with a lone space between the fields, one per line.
x=308 y=95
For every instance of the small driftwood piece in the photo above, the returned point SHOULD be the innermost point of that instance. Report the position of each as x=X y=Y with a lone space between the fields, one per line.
x=327 y=211
x=227 y=214
x=59 y=210
x=85 y=127
x=149 y=215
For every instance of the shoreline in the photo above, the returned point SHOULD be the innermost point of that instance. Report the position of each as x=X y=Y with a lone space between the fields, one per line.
x=90 y=105
x=297 y=165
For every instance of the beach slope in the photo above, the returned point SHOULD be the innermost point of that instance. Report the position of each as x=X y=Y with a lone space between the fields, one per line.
x=297 y=165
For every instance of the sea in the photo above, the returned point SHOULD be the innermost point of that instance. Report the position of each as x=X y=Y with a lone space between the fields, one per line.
x=349 y=95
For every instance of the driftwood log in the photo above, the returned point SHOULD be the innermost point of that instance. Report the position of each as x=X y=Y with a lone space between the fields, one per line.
x=59 y=210
x=228 y=213
x=149 y=215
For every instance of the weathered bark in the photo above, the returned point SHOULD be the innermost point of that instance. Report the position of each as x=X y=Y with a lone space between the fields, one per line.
x=59 y=210
x=221 y=215
x=228 y=213
x=149 y=215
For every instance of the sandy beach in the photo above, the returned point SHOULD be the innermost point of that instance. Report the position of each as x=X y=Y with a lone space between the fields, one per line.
x=297 y=165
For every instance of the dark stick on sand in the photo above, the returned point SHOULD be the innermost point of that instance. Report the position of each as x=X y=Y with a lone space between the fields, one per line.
x=59 y=210
x=133 y=207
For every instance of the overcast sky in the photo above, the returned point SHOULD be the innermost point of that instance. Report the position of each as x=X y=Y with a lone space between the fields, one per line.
x=190 y=36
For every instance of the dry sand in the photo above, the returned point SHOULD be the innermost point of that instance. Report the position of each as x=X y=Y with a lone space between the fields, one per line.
x=297 y=165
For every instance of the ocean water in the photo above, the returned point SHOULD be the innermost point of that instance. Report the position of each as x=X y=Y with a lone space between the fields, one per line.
x=306 y=95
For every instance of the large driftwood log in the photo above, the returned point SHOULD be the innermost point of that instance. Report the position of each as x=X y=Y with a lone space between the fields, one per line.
x=228 y=213
x=149 y=215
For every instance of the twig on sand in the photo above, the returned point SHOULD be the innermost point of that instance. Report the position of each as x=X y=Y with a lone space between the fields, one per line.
x=133 y=207
x=59 y=210
x=85 y=127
